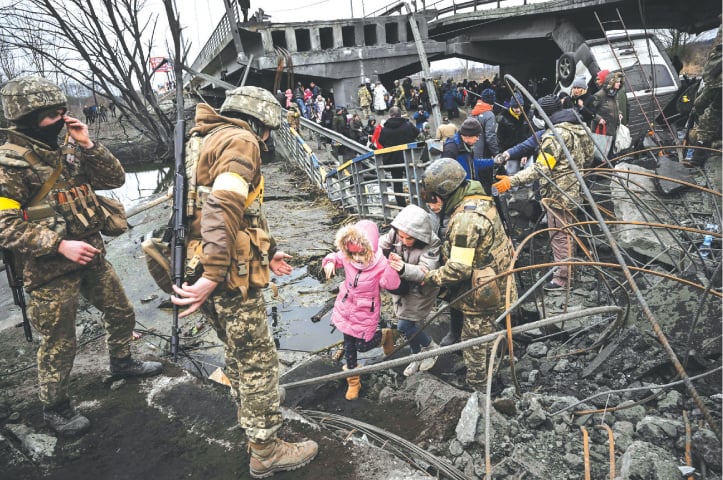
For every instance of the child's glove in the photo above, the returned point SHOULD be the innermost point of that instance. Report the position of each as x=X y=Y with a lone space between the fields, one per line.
x=504 y=184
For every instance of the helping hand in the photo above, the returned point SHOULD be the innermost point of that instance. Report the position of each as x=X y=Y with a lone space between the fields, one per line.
x=504 y=184
x=500 y=159
x=396 y=262
x=278 y=264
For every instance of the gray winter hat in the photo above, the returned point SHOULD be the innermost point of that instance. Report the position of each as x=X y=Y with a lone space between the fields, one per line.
x=579 y=83
x=470 y=127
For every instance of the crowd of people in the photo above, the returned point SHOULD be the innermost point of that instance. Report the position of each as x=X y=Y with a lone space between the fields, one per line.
x=459 y=242
x=457 y=249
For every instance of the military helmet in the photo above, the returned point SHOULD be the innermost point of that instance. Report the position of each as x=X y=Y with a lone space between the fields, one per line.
x=255 y=102
x=24 y=95
x=442 y=177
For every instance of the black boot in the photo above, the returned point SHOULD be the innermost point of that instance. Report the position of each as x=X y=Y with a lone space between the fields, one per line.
x=455 y=328
x=127 y=367
x=65 y=420
x=700 y=155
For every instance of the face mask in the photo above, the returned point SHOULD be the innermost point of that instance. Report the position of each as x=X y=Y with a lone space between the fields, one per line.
x=47 y=134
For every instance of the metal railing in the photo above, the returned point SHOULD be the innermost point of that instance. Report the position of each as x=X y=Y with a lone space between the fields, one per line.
x=364 y=185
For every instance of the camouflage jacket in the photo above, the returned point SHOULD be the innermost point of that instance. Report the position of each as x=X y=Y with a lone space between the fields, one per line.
x=559 y=170
x=474 y=226
x=35 y=242
x=365 y=98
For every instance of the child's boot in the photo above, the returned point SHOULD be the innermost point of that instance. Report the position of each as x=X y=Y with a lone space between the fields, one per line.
x=387 y=341
x=353 y=386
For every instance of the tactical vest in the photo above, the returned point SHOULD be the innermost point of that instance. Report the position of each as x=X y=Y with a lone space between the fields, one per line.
x=72 y=210
x=488 y=294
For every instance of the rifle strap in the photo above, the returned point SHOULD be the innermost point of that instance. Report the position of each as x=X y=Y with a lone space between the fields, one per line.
x=32 y=158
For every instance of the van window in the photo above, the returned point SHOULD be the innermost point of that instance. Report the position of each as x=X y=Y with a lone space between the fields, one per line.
x=635 y=77
x=629 y=53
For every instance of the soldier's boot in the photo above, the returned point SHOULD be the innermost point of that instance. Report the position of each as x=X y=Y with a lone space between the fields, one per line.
x=128 y=367
x=278 y=456
x=455 y=331
x=387 y=341
x=700 y=155
x=64 y=420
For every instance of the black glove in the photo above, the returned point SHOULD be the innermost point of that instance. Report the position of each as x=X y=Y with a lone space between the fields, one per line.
x=500 y=159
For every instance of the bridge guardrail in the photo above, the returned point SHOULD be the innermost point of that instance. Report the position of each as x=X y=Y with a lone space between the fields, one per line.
x=363 y=185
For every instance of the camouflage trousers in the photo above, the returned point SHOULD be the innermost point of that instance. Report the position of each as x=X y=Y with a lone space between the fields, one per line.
x=475 y=358
x=252 y=365
x=53 y=308
x=709 y=121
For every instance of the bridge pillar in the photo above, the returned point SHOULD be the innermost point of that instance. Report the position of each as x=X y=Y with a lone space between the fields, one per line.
x=290 y=35
x=315 y=38
x=338 y=39
x=359 y=36
x=567 y=36
x=402 y=28
x=267 y=41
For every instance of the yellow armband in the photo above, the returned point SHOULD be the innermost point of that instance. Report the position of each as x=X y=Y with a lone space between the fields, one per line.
x=9 y=204
x=462 y=255
x=232 y=182
x=546 y=160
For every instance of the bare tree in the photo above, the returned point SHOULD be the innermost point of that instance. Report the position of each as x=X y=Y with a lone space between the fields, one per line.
x=674 y=40
x=103 y=45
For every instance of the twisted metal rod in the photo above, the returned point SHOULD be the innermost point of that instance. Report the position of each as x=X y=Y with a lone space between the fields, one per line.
x=456 y=347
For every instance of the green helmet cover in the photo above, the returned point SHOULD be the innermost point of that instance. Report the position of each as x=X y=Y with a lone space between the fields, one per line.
x=442 y=177
x=25 y=95
x=255 y=102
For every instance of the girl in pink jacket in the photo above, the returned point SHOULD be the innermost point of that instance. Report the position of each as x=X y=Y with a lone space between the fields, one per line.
x=358 y=305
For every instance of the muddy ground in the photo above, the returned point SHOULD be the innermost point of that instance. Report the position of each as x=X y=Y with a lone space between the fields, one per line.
x=182 y=425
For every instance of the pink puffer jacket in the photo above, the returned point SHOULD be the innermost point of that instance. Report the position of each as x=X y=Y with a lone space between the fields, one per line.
x=358 y=306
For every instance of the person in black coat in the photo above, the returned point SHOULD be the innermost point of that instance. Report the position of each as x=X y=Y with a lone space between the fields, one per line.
x=397 y=131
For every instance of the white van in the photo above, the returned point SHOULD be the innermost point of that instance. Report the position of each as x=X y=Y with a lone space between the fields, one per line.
x=651 y=81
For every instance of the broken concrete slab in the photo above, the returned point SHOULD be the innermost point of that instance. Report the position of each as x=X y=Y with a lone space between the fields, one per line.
x=644 y=460
x=38 y=446
x=672 y=169
x=634 y=200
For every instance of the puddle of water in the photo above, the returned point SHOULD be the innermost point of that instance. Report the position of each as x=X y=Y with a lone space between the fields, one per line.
x=301 y=297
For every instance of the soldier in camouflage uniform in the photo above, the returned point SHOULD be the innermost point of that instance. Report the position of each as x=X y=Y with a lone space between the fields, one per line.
x=400 y=97
x=475 y=249
x=558 y=183
x=708 y=105
x=52 y=223
x=228 y=175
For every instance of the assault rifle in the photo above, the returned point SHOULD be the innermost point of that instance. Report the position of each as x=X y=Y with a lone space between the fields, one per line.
x=178 y=233
x=16 y=285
